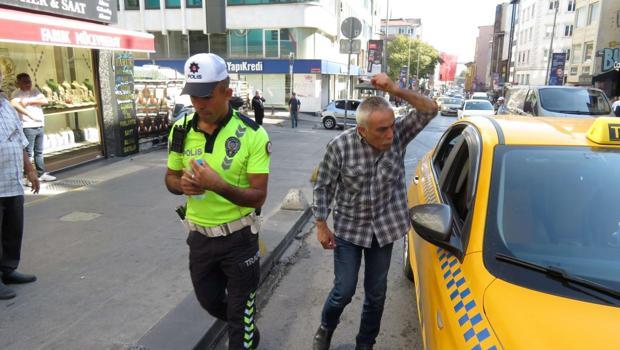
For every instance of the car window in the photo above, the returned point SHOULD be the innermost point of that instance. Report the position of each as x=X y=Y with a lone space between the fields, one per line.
x=565 y=214
x=340 y=104
x=478 y=106
x=449 y=139
x=532 y=103
x=353 y=105
x=574 y=101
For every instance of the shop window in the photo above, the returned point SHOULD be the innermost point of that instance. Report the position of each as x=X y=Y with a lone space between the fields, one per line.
x=173 y=4
x=238 y=43
x=198 y=42
x=271 y=43
x=65 y=76
x=194 y=3
x=255 y=43
x=132 y=5
x=151 y=4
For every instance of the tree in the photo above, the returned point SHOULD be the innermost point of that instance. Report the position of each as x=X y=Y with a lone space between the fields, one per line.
x=398 y=57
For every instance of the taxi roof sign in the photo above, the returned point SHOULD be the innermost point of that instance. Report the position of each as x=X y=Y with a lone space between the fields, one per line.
x=605 y=131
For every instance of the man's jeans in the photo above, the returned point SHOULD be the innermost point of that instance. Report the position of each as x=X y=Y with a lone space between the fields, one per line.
x=347 y=260
x=35 y=145
x=294 y=118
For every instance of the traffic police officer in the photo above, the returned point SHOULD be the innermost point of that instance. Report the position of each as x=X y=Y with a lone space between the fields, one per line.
x=219 y=158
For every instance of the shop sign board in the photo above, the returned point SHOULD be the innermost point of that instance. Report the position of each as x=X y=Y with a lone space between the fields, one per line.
x=610 y=59
x=127 y=120
x=375 y=56
x=94 y=10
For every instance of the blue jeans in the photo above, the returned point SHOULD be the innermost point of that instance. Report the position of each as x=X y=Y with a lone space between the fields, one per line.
x=347 y=261
x=35 y=145
x=294 y=119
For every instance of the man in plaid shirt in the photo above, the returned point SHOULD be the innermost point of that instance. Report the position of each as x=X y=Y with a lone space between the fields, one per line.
x=363 y=169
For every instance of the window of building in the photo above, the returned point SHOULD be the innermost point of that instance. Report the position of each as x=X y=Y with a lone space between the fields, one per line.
x=528 y=56
x=533 y=9
x=272 y=39
x=173 y=4
x=571 y=5
x=587 y=51
x=568 y=30
x=198 y=42
x=576 y=54
x=594 y=12
x=194 y=3
x=259 y=2
x=255 y=43
x=585 y=69
x=551 y=5
x=527 y=79
x=261 y=43
x=288 y=42
x=580 y=17
x=132 y=5
x=151 y=4
x=567 y=54
x=573 y=70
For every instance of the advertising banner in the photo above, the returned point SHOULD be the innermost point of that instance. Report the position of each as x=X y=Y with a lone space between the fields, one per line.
x=375 y=56
x=556 y=75
x=125 y=105
x=447 y=69
x=93 y=10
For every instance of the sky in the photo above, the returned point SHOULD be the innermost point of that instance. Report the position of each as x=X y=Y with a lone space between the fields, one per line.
x=450 y=26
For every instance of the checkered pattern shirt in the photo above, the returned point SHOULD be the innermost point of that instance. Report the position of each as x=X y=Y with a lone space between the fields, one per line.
x=369 y=186
x=12 y=144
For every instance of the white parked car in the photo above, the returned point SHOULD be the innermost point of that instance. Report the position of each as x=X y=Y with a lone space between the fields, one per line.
x=333 y=114
x=480 y=96
x=474 y=108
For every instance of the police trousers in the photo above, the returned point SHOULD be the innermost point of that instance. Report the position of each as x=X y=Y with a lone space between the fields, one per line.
x=225 y=272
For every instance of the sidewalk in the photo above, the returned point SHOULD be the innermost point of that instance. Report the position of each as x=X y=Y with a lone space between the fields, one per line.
x=111 y=258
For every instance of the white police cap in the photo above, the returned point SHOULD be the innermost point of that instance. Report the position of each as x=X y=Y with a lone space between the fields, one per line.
x=202 y=74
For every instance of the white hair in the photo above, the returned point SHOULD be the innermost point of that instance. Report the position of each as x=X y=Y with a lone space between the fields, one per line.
x=368 y=106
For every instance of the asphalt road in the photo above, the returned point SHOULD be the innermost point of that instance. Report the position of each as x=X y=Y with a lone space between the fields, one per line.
x=291 y=306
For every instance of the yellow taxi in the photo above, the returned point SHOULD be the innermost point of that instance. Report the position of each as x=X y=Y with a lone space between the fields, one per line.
x=516 y=235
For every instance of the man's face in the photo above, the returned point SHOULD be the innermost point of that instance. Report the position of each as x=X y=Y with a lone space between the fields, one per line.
x=24 y=84
x=379 y=132
x=212 y=108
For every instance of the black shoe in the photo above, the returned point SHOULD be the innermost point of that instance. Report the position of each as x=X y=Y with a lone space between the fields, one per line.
x=363 y=347
x=6 y=292
x=322 y=338
x=15 y=277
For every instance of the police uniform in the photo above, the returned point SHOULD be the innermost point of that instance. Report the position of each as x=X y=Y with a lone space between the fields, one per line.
x=223 y=236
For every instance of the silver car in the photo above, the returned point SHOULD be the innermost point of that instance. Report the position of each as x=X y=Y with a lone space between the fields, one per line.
x=333 y=114
x=450 y=105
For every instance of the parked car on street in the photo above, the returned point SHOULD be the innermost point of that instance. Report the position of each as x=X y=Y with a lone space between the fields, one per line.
x=480 y=96
x=473 y=108
x=557 y=101
x=516 y=235
x=333 y=114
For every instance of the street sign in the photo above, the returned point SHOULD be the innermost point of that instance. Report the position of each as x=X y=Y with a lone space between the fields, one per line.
x=356 y=46
x=351 y=27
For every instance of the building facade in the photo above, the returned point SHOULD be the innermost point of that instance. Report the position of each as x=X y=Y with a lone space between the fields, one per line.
x=264 y=41
x=482 y=58
x=498 y=68
x=534 y=31
x=410 y=27
x=596 y=45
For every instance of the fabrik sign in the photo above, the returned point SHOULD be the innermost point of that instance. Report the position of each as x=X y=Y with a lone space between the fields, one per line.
x=94 y=10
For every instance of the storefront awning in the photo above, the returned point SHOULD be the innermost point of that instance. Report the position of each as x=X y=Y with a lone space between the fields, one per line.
x=30 y=28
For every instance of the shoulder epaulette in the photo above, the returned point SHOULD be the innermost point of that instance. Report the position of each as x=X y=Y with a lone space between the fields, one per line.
x=249 y=122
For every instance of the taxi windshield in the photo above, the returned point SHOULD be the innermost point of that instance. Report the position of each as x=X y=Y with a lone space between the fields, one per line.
x=557 y=207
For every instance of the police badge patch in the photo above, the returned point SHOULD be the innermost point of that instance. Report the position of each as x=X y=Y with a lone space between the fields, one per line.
x=232 y=146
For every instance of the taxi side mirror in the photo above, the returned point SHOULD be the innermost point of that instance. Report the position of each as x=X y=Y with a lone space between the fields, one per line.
x=433 y=222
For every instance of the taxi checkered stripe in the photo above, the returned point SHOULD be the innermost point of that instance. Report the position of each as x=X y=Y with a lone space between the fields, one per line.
x=474 y=327
x=248 y=322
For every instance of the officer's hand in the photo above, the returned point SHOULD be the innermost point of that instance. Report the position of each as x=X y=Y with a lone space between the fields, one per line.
x=205 y=177
x=325 y=236
x=34 y=181
x=189 y=185
x=382 y=82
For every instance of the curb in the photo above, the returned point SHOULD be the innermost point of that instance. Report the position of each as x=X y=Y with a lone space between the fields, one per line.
x=216 y=332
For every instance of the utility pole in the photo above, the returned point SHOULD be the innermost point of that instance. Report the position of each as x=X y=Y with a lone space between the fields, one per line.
x=555 y=17
x=514 y=4
x=409 y=62
x=385 y=48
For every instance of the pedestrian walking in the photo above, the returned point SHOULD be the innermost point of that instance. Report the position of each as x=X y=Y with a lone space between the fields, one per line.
x=28 y=101
x=219 y=159
x=615 y=107
x=15 y=161
x=258 y=107
x=294 y=104
x=500 y=107
x=363 y=170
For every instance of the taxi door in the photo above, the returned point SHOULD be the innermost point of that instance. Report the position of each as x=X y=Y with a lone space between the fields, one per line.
x=448 y=177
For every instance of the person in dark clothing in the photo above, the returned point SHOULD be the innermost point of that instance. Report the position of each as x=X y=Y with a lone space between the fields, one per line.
x=258 y=107
x=294 y=105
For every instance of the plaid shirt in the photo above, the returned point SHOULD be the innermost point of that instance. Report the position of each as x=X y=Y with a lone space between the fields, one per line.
x=12 y=144
x=369 y=187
